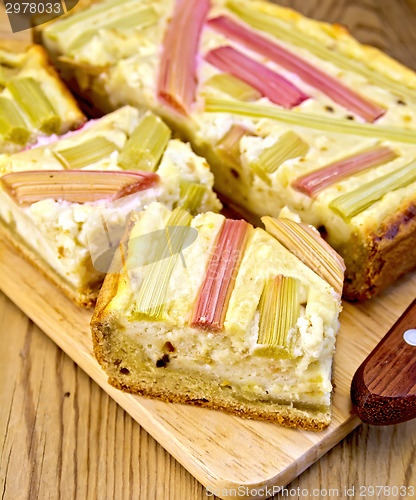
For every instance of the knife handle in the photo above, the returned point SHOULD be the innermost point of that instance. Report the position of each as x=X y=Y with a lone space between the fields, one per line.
x=383 y=390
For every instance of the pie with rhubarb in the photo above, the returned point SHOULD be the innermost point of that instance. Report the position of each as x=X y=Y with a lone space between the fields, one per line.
x=33 y=100
x=210 y=311
x=288 y=112
x=65 y=203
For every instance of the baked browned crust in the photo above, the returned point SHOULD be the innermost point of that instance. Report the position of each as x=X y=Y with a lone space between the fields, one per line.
x=385 y=256
x=287 y=417
x=84 y=297
x=100 y=319
x=101 y=326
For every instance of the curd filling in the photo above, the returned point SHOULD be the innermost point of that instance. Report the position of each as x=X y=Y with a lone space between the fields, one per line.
x=73 y=238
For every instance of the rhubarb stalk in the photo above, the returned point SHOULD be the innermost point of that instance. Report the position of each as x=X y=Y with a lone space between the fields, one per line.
x=139 y=18
x=212 y=301
x=29 y=95
x=146 y=145
x=310 y=74
x=177 y=74
x=191 y=196
x=353 y=203
x=85 y=153
x=215 y=105
x=306 y=244
x=290 y=33
x=279 y=310
x=75 y=186
x=12 y=124
x=84 y=17
x=229 y=84
x=229 y=145
x=287 y=147
x=151 y=296
x=314 y=182
x=269 y=83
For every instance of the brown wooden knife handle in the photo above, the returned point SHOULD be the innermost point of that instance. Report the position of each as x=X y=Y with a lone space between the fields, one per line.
x=383 y=390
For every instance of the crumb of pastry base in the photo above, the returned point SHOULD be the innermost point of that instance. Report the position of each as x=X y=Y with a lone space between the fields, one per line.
x=382 y=257
x=180 y=387
x=167 y=387
x=84 y=296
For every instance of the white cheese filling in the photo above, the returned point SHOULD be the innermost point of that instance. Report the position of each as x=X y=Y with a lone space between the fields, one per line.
x=216 y=357
x=71 y=237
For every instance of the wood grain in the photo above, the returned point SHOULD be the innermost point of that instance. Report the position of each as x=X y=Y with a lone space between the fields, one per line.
x=220 y=450
x=63 y=437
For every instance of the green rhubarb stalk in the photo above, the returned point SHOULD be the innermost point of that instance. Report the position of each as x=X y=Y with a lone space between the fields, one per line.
x=86 y=153
x=234 y=87
x=146 y=145
x=151 y=296
x=215 y=105
x=138 y=19
x=353 y=203
x=85 y=15
x=288 y=146
x=29 y=95
x=13 y=127
x=279 y=309
x=191 y=196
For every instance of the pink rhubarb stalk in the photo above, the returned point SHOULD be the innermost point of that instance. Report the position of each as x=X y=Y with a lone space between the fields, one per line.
x=269 y=83
x=212 y=301
x=177 y=75
x=314 y=182
x=75 y=186
x=328 y=85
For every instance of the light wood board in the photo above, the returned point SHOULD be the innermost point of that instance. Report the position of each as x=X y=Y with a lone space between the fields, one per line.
x=222 y=451
x=374 y=456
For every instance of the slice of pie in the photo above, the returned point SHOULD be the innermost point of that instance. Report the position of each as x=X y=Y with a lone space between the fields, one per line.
x=288 y=112
x=210 y=311
x=33 y=100
x=65 y=204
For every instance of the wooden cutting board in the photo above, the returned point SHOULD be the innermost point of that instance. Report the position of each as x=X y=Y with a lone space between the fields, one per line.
x=223 y=452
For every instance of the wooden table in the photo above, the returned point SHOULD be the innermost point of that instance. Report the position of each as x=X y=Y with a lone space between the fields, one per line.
x=63 y=437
